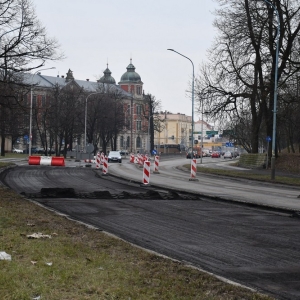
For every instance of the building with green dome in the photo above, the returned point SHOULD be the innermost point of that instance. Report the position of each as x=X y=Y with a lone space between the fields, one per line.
x=133 y=137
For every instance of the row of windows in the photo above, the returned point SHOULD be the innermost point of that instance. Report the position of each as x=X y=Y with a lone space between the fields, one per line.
x=126 y=143
x=34 y=101
x=138 y=109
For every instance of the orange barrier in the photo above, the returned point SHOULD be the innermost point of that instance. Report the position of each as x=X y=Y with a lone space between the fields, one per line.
x=34 y=160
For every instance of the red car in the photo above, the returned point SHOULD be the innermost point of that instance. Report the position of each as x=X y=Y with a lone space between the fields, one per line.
x=215 y=154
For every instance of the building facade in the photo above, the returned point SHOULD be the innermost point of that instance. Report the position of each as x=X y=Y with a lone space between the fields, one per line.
x=175 y=129
x=134 y=134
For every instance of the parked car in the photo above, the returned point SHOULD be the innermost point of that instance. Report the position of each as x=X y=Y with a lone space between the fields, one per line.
x=114 y=156
x=124 y=152
x=17 y=150
x=215 y=154
x=228 y=154
x=34 y=150
x=235 y=154
x=195 y=154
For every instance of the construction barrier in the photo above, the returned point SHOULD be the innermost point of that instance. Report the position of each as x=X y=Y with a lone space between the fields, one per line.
x=156 y=164
x=105 y=165
x=98 y=160
x=146 y=172
x=193 y=168
x=58 y=161
x=132 y=158
x=102 y=158
x=47 y=161
x=34 y=160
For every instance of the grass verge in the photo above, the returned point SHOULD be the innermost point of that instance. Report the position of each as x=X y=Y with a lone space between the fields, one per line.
x=82 y=263
x=248 y=175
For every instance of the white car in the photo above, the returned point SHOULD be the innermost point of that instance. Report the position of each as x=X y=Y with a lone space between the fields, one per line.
x=114 y=156
x=17 y=150
x=228 y=154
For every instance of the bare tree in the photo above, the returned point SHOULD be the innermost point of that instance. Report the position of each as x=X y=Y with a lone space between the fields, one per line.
x=240 y=75
x=62 y=117
x=104 y=116
x=151 y=114
x=24 y=46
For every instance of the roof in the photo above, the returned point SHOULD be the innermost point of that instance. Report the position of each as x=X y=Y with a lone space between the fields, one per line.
x=89 y=86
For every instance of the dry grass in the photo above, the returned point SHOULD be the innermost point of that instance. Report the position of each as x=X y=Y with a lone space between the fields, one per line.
x=89 y=264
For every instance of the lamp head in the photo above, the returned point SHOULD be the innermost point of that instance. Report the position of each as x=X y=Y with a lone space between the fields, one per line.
x=171 y=50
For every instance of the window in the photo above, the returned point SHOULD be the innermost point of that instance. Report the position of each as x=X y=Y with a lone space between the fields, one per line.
x=138 y=125
x=139 y=90
x=34 y=101
x=139 y=109
x=122 y=141
x=43 y=101
x=138 y=142
x=128 y=142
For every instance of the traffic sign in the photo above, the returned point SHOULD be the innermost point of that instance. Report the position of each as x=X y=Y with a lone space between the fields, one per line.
x=228 y=144
x=212 y=132
x=154 y=152
x=268 y=139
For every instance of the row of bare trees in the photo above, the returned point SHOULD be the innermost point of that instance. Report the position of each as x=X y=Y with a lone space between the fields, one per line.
x=236 y=86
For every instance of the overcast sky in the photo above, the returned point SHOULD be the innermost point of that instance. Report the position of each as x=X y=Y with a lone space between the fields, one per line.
x=93 y=33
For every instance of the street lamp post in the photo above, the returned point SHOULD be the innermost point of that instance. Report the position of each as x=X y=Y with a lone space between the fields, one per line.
x=148 y=138
x=202 y=133
x=85 y=116
x=192 y=138
x=30 y=113
x=275 y=92
x=128 y=109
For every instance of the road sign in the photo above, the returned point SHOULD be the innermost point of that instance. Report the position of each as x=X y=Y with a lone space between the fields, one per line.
x=228 y=144
x=268 y=139
x=154 y=152
x=212 y=132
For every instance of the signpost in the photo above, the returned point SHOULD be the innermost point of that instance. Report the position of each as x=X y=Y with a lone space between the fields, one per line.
x=228 y=144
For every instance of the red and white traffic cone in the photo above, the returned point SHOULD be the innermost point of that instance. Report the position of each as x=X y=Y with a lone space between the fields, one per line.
x=146 y=172
x=132 y=158
x=98 y=160
x=140 y=160
x=105 y=166
x=156 y=164
x=102 y=158
x=193 y=170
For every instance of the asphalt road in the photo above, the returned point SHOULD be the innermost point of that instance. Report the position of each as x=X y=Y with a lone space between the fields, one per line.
x=256 y=247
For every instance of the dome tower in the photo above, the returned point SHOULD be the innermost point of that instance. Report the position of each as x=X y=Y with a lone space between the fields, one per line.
x=107 y=78
x=131 y=81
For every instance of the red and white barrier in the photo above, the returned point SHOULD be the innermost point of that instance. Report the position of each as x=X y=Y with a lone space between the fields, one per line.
x=98 y=160
x=193 y=168
x=136 y=159
x=56 y=161
x=105 y=165
x=146 y=172
x=132 y=158
x=156 y=164
x=102 y=158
